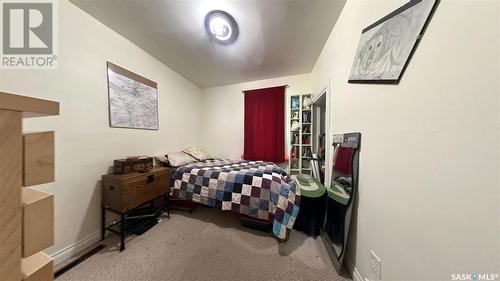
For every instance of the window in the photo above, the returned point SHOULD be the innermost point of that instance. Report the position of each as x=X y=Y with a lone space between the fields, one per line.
x=265 y=124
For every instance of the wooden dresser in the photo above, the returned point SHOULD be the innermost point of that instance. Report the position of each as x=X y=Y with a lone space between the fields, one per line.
x=122 y=193
x=27 y=214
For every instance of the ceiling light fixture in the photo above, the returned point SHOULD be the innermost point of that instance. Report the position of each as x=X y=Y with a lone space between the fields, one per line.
x=221 y=27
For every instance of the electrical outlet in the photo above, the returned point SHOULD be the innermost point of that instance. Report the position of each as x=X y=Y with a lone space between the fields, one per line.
x=376 y=265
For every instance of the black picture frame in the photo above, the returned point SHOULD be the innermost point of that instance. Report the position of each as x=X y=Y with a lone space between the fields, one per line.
x=354 y=79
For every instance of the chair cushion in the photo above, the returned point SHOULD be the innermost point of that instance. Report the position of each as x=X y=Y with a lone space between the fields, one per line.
x=309 y=186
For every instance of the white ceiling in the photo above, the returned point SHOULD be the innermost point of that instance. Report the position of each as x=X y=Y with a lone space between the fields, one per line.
x=277 y=37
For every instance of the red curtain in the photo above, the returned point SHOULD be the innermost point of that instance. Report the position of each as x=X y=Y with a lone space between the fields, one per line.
x=265 y=124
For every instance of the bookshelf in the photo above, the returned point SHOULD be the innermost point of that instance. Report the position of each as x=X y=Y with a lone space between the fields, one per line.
x=299 y=129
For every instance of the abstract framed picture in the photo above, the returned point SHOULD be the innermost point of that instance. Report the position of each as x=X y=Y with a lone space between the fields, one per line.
x=386 y=47
x=133 y=100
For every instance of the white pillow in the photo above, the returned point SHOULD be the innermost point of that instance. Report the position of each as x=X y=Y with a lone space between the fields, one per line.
x=161 y=160
x=177 y=159
x=197 y=153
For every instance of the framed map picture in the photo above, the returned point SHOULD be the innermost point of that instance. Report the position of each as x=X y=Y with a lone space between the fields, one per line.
x=133 y=100
x=385 y=47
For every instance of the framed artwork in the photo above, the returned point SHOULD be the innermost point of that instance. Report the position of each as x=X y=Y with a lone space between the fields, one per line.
x=133 y=100
x=385 y=47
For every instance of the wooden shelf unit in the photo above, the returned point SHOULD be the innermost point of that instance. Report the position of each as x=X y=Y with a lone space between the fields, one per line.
x=16 y=234
x=37 y=267
x=28 y=106
x=38 y=221
x=38 y=158
x=299 y=162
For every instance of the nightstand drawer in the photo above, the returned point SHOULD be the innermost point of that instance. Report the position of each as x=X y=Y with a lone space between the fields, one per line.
x=144 y=189
x=125 y=192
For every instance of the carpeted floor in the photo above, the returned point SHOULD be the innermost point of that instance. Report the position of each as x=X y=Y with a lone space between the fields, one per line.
x=207 y=245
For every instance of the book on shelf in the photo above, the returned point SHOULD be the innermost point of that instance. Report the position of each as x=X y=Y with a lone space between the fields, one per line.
x=306 y=117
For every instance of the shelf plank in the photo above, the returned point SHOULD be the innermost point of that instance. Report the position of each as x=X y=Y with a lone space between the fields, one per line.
x=38 y=267
x=10 y=195
x=38 y=221
x=38 y=158
x=31 y=107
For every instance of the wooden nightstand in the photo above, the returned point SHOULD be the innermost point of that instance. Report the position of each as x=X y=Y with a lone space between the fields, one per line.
x=121 y=194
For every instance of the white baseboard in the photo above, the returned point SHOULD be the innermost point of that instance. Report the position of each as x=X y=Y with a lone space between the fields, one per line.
x=356 y=276
x=75 y=248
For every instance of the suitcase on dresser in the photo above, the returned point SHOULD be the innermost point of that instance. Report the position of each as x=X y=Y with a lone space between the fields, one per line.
x=125 y=166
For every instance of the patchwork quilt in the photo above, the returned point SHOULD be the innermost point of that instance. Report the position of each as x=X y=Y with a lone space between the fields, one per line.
x=257 y=189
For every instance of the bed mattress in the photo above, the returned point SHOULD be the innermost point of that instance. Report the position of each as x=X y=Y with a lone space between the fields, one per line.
x=257 y=189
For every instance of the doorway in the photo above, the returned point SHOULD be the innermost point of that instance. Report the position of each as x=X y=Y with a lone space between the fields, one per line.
x=319 y=136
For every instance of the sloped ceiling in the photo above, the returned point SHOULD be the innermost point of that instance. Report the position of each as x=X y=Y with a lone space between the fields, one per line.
x=277 y=37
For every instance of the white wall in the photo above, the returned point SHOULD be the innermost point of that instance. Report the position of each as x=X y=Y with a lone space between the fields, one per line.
x=85 y=144
x=429 y=167
x=223 y=108
x=429 y=175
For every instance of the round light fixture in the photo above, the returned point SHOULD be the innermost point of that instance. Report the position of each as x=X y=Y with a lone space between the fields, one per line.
x=221 y=27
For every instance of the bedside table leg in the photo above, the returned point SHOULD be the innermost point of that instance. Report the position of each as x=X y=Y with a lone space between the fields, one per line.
x=103 y=223
x=122 y=233
x=168 y=205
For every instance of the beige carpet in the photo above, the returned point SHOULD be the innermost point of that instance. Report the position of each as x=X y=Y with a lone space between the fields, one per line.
x=207 y=245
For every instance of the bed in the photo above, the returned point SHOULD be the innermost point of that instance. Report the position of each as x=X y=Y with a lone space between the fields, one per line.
x=258 y=189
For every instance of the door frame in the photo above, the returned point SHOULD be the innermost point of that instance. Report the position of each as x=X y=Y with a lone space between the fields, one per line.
x=325 y=89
